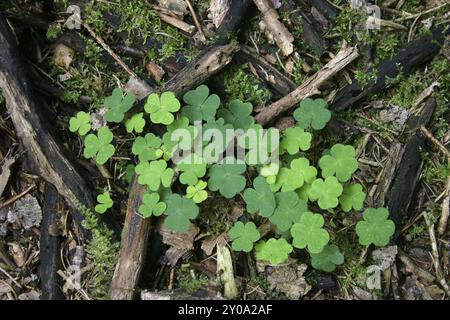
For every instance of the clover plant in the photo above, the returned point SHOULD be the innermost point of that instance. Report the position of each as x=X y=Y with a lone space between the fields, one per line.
x=299 y=192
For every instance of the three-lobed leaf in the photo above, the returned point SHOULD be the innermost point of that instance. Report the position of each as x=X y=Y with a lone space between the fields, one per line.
x=289 y=210
x=136 y=123
x=180 y=211
x=295 y=139
x=327 y=259
x=340 y=162
x=260 y=199
x=104 y=202
x=200 y=105
x=151 y=206
x=154 y=174
x=243 y=236
x=312 y=113
x=227 y=178
x=197 y=192
x=81 y=123
x=118 y=104
x=238 y=114
x=326 y=192
x=99 y=146
x=375 y=227
x=147 y=148
x=309 y=233
x=275 y=251
x=161 y=107
x=352 y=198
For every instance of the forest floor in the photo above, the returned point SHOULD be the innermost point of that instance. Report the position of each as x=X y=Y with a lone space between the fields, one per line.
x=390 y=103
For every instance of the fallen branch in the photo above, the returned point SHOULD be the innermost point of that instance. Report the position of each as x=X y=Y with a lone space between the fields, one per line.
x=44 y=154
x=310 y=87
x=411 y=163
x=445 y=208
x=281 y=34
x=427 y=134
x=414 y=55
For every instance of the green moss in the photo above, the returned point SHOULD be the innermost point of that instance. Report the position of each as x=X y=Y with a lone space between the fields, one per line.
x=241 y=84
x=189 y=281
x=103 y=252
x=54 y=31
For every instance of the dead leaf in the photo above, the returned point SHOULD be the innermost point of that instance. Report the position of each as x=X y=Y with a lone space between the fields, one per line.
x=385 y=257
x=6 y=172
x=394 y=114
x=26 y=211
x=179 y=243
x=155 y=70
x=140 y=88
x=211 y=242
x=289 y=279
x=63 y=56
x=17 y=253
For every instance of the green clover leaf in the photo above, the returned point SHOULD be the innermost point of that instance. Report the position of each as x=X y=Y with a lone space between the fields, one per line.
x=197 y=192
x=352 y=198
x=227 y=178
x=215 y=140
x=154 y=173
x=260 y=199
x=104 y=202
x=151 y=205
x=303 y=192
x=243 y=236
x=200 y=105
x=136 y=123
x=161 y=108
x=270 y=171
x=312 y=113
x=80 y=123
x=99 y=146
x=295 y=139
x=179 y=213
x=341 y=161
x=147 y=148
x=299 y=173
x=129 y=173
x=376 y=228
x=308 y=232
x=192 y=168
x=327 y=259
x=117 y=105
x=238 y=114
x=170 y=142
x=326 y=192
x=289 y=210
x=275 y=251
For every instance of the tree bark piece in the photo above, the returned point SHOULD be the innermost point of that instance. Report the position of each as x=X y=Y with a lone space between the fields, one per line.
x=44 y=154
x=405 y=182
x=133 y=248
x=310 y=87
x=414 y=55
x=281 y=34
x=50 y=247
x=267 y=72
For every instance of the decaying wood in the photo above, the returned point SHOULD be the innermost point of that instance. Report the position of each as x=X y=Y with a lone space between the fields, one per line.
x=310 y=87
x=309 y=34
x=414 y=55
x=135 y=234
x=405 y=182
x=445 y=209
x=44 y=154
x=232 y=20
x=267 y=72
x=50 y=247
x=414 y=268
x=133 y=248
x=280 y=33
x=177 y=23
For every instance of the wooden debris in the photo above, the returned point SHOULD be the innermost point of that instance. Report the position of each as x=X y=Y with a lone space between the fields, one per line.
x=310 y=87
x=281 y=34
x=155 y=70
x=177 y=23
x=179 y=243
x=225 y=272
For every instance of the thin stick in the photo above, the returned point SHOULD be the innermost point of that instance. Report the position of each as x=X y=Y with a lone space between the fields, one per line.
x=109 y=50
x=445 y=208
x=422 y=13
x=197 y=23
x=435 y=252
x=16 y=197
x=10 y=277
x=434 y=141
